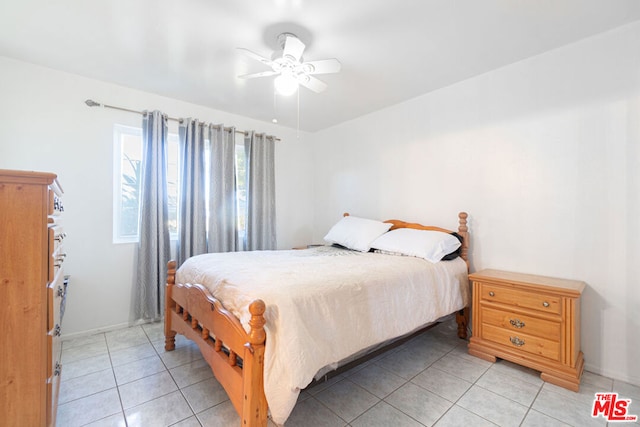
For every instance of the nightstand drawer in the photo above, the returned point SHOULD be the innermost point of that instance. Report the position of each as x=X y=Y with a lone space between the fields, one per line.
x=519 y=298
x=521 y=323
x=523 y=342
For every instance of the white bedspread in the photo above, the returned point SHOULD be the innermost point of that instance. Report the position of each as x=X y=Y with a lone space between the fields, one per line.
x=325 y=304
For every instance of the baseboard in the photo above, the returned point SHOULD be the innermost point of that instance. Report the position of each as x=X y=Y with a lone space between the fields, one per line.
x=618 y=376
x=82 y=334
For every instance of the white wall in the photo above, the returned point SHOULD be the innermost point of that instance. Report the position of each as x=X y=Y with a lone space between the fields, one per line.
x=45 y=125
x=543 y=154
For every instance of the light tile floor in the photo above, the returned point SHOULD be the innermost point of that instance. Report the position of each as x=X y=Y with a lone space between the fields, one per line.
x=125 y=378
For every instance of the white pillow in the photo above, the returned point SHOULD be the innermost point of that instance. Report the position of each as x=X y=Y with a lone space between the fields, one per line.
x=356 y=233
x=428 y=244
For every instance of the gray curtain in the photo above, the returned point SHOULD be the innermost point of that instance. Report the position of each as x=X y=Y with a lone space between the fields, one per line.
x=153 y=248
x=193 y=209
x=223 y=229
x=261 y=207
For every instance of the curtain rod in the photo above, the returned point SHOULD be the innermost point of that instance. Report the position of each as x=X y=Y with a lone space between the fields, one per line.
x=92 y=103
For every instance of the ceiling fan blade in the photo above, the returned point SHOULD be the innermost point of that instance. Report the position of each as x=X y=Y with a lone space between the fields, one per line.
x=255 y=56
x=312 y=83
x=323 y=66
x=293 y=48
x=262 y=74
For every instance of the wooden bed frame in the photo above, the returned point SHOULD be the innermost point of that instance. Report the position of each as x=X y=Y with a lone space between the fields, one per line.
x=235 y=356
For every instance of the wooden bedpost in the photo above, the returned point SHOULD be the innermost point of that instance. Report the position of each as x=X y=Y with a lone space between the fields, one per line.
x=169 y=335
x=464 y=232
x=254 y=408
x=462 y=316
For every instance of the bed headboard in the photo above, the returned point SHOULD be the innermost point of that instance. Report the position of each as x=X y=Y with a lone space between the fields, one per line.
x=462 y=230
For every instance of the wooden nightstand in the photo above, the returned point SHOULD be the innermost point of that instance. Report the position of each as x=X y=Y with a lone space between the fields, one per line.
x=530 y=320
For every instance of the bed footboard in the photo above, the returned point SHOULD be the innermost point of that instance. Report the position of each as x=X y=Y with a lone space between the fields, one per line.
x=235 y=356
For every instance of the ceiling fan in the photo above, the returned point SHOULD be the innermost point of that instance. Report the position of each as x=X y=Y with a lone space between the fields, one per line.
x=289 y=67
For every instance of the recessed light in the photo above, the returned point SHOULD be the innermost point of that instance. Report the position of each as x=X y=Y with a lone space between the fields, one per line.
x=274 y=121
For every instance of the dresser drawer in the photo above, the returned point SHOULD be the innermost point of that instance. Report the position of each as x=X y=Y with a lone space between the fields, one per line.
x=523 y=342
x=55 y=295
x=539 y=301
x=53 y=389
x=54 y=355
x=519 y=323
x=56 y=237
x=57 y=254
x=56 y=206
x=56 y=292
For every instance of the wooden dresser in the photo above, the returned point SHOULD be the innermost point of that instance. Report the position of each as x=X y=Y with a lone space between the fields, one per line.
x=530 y=320
x=32 y=294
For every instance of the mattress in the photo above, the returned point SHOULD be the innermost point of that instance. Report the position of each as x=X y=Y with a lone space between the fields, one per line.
x=326 y=303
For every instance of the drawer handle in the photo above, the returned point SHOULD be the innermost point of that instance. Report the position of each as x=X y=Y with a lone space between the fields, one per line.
x=57 y=204
x=492 y=294
x=516 y=323
x=545 y=304
x=57 y=331
x=516 y=341
x=58 y=370
x=59 y=259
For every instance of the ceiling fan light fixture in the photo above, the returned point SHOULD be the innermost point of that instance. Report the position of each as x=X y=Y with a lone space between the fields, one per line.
x=290 y=67
x=286 y=84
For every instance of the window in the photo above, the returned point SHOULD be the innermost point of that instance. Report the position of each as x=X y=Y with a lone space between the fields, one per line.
x=127 y=181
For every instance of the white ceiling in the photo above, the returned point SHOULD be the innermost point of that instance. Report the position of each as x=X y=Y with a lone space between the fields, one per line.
x=390 y=50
